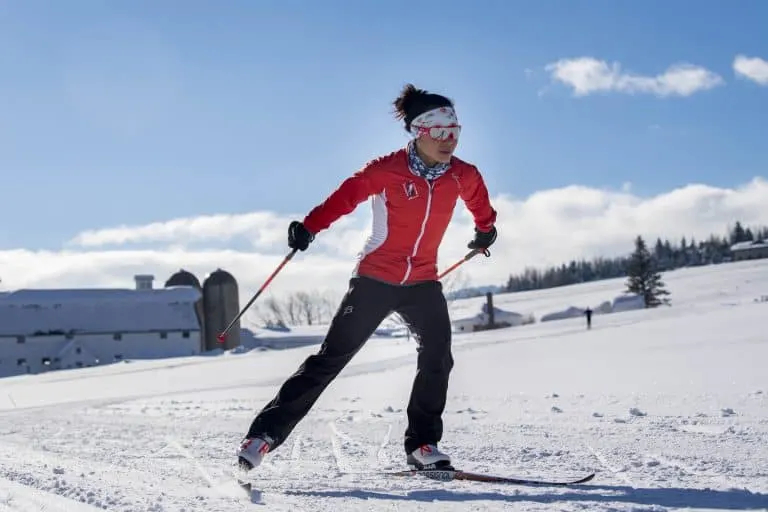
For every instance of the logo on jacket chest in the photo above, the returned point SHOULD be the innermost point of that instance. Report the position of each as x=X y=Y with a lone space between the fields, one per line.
x=411 y=192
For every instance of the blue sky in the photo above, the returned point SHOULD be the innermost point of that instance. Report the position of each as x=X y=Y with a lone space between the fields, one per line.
x=128 y=113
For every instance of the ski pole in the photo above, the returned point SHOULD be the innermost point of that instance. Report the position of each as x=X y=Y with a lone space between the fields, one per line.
x=471 y=254
x=221 y=337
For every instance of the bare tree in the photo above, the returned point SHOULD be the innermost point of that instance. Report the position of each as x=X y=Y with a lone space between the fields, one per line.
x=276 y=310
x=293 y=309
x=307 y=304
x=328 y=304
x=298 y=308
x=455 y=281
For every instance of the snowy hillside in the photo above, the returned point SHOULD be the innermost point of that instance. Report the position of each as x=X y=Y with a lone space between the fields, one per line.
x=669 y=406
x=694 y=287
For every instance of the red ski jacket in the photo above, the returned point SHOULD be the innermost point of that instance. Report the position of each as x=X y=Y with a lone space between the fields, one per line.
x=410 y=215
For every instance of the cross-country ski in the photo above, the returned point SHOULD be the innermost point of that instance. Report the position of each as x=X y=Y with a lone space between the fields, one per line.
x=448 y=475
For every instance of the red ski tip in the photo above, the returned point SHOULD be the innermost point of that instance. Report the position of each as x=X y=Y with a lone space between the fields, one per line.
x=221 y=338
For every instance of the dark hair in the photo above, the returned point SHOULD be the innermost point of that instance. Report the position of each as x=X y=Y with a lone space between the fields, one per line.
x=412 y=102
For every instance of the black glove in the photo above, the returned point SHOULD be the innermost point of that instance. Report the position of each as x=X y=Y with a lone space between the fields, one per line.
x=483 y=240
x=298 y=236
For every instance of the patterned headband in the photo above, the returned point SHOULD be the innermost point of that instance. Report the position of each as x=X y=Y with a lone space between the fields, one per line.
x=441 y=116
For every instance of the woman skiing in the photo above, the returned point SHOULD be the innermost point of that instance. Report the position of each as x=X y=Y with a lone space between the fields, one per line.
x=414 y=191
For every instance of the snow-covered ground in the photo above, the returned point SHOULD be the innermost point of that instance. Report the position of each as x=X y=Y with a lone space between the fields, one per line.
x=669 y=406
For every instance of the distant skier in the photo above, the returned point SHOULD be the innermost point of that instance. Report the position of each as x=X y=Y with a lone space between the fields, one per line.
x=414 y=192
x=588 y=313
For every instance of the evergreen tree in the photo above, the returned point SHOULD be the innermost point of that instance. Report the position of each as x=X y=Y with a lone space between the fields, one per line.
x=643 y=277
x=738 y=234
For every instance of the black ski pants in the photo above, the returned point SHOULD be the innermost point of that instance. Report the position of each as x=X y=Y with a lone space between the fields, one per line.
x=366 y=304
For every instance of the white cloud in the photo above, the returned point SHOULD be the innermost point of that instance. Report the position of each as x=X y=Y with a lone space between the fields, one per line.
x=587 y=75
x=211 y=228
x=752 y=68
x=546 y=228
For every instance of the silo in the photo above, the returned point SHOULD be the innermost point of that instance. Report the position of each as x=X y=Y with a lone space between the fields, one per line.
x=186 y=278
x=183 y=278
x=221 y=304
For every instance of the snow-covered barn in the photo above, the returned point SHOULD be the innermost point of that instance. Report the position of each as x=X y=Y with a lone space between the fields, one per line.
x=49 y=329
x=501 y=318
x=750 y=250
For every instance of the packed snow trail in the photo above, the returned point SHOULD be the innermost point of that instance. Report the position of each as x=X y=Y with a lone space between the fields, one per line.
x=669 y=406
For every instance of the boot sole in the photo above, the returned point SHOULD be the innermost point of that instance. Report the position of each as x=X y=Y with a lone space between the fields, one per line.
x=439 y=465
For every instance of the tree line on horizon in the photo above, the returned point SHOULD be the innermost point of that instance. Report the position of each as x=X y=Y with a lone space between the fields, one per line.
x=641 y=267
x=665 y=255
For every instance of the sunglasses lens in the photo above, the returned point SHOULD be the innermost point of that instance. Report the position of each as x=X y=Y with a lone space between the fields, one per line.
x=444 y=132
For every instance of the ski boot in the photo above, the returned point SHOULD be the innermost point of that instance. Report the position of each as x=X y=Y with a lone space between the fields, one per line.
x=427 y=456
x=252 y=451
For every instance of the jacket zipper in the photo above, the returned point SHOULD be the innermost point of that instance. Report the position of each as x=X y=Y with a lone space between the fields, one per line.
x=421 y=233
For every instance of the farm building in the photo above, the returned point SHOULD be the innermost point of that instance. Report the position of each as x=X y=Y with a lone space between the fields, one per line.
x=481 y=320
x=753 y=250
x=51 y=329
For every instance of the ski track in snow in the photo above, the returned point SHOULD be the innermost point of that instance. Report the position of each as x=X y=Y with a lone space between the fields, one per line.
x=669 y=422
x=177 y=460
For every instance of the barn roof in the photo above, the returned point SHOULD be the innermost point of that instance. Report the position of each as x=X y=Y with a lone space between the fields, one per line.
x=97 y=310
x=744 y=246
